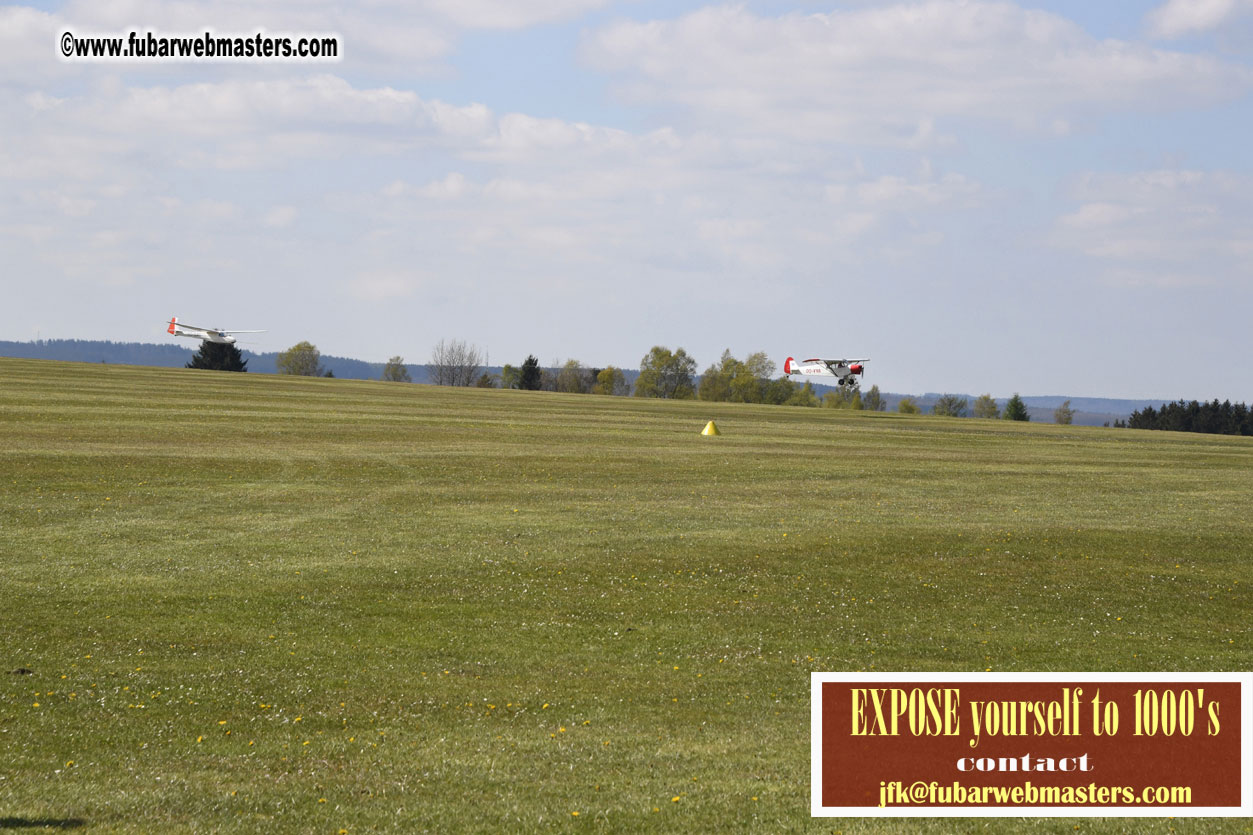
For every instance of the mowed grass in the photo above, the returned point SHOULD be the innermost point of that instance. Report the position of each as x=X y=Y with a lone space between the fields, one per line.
x=257 y=603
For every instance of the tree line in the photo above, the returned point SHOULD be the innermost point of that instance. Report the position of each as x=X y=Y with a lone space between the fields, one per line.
x=1212 y=418
x=301 y=360
x=668 y=374
x=663 y=373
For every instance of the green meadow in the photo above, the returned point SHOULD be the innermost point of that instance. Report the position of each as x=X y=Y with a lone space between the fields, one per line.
x=237 y=602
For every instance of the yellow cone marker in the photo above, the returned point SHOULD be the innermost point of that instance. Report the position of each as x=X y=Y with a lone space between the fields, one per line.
x=711 y=428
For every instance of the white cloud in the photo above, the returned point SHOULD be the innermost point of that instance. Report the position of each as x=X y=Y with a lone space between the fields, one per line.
x=450 y=187
x=72 y=206
x=41 y=101
x=901 y=193
x=454 y=185
x=509 y=14
x=609 y=206
x=279 y=217
x=1097 y=216
x=383 y=286
x=320 y=102
x=230 y=124
x=28 y=39
x=1179 y=18
x=268 y=124
x=461 y=122
x=1163 y=228
x=893 y=73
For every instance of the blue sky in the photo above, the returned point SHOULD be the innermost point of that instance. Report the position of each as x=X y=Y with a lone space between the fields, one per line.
x=980 y=196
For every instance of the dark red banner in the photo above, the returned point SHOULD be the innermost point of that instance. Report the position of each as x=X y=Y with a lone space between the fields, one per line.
x=1145 y=744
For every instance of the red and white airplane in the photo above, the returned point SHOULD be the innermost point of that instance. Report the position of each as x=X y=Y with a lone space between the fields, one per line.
x=217 y=335
x=845 y=372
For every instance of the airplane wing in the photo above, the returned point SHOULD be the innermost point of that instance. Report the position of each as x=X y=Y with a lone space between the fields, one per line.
x=831 y=362
x=186 y=326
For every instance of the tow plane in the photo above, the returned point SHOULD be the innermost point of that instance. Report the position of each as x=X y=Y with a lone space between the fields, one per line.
x=845 y=371
x=222 y=337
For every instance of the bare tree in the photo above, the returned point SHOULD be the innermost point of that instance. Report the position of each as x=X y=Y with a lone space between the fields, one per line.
x=951 y=405
x=454 y=363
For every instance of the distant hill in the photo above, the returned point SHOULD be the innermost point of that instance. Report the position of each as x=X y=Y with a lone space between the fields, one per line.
x=83 y=350
x=1089 y=411
x=177 y=356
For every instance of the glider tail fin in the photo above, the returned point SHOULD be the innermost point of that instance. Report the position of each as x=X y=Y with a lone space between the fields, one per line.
x=173 y=323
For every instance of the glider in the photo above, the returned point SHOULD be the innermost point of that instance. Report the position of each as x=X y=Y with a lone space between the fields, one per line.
x=222 y=337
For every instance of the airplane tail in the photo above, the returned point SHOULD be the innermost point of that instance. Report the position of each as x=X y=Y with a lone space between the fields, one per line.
x=787 y=365
x=173 y=324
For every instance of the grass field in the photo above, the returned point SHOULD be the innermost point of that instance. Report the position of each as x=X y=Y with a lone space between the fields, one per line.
x=257 y=603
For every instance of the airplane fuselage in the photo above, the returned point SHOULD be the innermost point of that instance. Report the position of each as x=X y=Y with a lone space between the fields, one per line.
x=207 y=336
x=821 y=371
x=844 y=371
